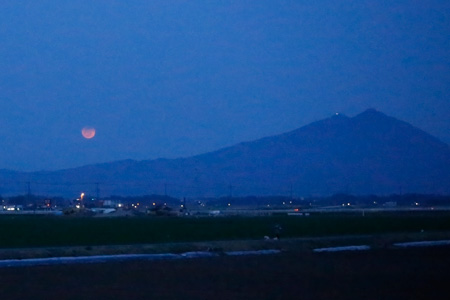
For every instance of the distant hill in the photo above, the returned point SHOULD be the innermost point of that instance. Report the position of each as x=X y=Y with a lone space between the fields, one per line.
x=370 y=153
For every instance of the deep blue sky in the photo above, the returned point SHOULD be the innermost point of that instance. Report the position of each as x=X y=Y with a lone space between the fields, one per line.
x=177 y=78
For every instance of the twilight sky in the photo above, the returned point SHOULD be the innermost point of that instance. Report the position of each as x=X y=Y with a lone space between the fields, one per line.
x=167 y=78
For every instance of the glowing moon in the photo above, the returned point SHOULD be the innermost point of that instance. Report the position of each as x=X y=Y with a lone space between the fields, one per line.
x=88 y=132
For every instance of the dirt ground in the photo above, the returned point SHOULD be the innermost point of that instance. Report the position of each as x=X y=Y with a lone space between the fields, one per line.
x=421 y=273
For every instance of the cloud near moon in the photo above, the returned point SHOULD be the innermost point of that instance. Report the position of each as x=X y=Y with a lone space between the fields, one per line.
x=88 y=132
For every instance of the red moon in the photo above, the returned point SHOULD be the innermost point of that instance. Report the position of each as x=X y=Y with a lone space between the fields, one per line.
x=88 y=132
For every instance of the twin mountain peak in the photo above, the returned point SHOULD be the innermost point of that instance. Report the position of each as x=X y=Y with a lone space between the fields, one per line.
x=370 y=153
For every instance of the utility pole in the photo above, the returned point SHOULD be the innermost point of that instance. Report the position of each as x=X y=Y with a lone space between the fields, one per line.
x=29 y=195
x=97 y=190
x=165 y=189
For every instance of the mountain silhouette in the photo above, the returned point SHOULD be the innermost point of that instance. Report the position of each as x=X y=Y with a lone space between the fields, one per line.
x=370 y=153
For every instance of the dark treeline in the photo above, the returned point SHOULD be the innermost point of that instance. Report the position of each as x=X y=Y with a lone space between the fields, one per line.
x=348 y=200
x=375 y=200
x=31 y=201
x=146 y=200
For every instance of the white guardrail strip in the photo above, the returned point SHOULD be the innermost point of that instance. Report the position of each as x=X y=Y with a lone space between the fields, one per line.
x=122 y=257
x=343 y=248
x=423 y=244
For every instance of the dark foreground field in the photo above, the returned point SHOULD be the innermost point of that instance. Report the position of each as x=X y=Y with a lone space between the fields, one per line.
x=47 y=231
x=385 y=272
x=377 y=274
